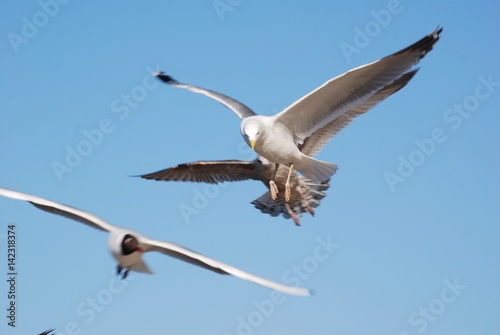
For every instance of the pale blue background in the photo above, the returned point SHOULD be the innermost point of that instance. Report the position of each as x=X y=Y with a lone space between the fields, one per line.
x=397 y=248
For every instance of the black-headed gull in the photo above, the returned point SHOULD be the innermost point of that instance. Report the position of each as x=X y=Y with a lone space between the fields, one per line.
x=305 y=194
x=278 y=137
x=128 y=246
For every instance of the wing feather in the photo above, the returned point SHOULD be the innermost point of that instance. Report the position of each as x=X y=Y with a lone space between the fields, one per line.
x=344 y=92
x=212 y=172
x=60 y=209
x=240 y=109
x=314 y=143
x=192 y=257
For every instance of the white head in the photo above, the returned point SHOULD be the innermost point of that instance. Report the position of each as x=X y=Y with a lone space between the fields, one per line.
x=251 y=129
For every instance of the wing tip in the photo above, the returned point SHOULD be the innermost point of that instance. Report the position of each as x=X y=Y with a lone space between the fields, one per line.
x=437 y=31
x=48 y=331
x=164 y=77
x=304 y=292
x=424 y=45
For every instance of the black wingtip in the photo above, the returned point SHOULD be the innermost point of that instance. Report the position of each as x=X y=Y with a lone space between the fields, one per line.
x=164 y=77
x=424 y=45
x=437 y=31
x=47 y=332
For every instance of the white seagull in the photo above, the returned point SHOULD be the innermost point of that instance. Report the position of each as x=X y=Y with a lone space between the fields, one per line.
x=305 y=194
x=128 y=246
x=278 y=137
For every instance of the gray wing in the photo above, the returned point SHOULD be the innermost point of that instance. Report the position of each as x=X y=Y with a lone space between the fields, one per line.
x=314 y=143
x=192 y=257
x=240 y=109
x=211 y=172
x=60 y=209
x=344 y=92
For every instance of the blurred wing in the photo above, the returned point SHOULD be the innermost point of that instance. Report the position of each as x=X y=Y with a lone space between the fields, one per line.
x=240 y=109
x=212 y=172
x=60 y=209
x=344 y=92
x=47 y=332
x=175 y=250
x=314 y=143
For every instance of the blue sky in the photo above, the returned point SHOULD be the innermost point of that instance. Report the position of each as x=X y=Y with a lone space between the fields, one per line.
x=411 y=211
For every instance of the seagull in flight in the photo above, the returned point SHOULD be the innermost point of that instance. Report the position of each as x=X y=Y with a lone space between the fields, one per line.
x=278 y=137
x=305 y=194
x=128 y=246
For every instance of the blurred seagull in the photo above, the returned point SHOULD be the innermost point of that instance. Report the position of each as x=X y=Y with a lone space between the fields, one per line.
x=305 y=194
x=47 y=332
x=127 y=246
x=278 y=137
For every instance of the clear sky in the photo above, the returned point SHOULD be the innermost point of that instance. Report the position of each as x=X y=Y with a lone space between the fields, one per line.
x=407 y=240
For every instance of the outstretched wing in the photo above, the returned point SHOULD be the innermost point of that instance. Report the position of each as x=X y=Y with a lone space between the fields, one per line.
x=240 y=109
x=60 y=209
x=184 y=254
x=344 y=92
x=314 y=143
x=212 y=172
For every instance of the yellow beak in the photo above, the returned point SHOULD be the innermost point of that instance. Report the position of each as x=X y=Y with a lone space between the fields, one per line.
x=252 y=144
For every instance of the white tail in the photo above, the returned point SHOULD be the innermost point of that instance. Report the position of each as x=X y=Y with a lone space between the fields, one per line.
x=314 y=169
x=141 y=267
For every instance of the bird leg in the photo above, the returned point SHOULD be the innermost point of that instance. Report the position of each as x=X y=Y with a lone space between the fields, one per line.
x=287 y=184
x=306 y=203
x=119 y=270
x=292 y=214
x=272 y=185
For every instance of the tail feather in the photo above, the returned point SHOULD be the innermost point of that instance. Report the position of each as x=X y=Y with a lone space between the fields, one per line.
x=141 y=267
x=314 y=169
x=311 y=191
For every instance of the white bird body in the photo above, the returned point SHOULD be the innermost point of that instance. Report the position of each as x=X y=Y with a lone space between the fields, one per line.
x=259 y=131
x=128 y=246
x=262 y=127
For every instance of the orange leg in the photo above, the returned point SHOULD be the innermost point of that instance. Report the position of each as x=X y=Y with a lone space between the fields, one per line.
x=292 y=214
